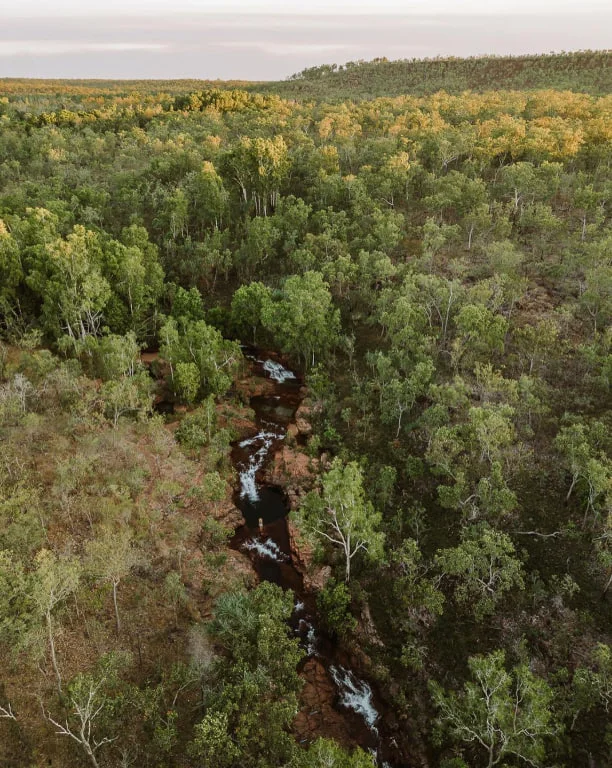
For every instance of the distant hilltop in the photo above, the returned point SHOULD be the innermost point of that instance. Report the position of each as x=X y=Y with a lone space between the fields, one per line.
x=580 y=71
x=585 y=71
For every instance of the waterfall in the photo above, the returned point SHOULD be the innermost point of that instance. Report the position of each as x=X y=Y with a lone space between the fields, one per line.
x=355 y=694
x=277 y=372
x=268 y=548
x=264 y=441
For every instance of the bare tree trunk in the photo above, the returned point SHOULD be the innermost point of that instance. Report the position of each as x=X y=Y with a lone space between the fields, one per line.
x=571 y=488
x=52 y=646
x=90 y=753
x=347 y=552
x=608 y=585
x=118 y=623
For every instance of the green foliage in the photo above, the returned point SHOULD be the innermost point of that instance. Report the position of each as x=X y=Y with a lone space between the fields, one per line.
x=583 y=71
x=175 y=592
x=592 y=686
x=213 y=744
x=187 y=381
x=583 y=449
x=503 y=713
x=17 y=611
x=250 y=304
x=326 y=752
x=198 y=427
x=94 y=703
x=68 y=278
x=303 y=321
x=420 y=598
x=443 y=260
x=334 y=605
x=111 y=356
x=202 y=350
x=342 y=516
x=127 y=395
x=483 y=567
x=251 y=710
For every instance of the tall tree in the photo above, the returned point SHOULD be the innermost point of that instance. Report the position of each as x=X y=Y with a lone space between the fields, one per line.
x=68 y=278
x=342 y=516
x=111 y=557
x=504 y=713
x=483 y=567
x=53 y=581
x=303 y=321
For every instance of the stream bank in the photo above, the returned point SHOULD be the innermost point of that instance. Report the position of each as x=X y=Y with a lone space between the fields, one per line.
x=335 y=702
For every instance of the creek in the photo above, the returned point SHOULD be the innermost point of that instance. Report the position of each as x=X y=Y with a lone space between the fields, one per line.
x=335 y=701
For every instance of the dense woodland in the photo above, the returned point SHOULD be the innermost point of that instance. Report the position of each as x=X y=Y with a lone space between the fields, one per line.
x=438 y=265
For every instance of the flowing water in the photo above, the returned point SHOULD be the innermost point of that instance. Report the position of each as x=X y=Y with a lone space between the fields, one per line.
x=264 y=536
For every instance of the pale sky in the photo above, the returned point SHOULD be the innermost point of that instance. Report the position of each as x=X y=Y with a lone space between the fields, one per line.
x=271 y=39
x=307 y=7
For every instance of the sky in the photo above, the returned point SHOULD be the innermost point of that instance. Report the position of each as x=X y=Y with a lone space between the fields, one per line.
x=271 y=39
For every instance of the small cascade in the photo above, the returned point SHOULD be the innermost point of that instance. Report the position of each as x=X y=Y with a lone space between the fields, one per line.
x=262 y=441
x=307 y=634
x=268 y=549
x=355 y=694
x=277 y=372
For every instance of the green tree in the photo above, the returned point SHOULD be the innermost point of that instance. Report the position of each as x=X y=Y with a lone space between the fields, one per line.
x=480 y=333
x=484 y=567
x=414 y=587
x=303 y=320
x=93 y=702
x=592 y=685
x=198 y=427
x=53 y=581
x=129 y=394
x=213 y=743
x=326 y=753
x=250 y=304
x=334 y=604
x=255 y=700
x=111 y=356
x=583 y=450
x=132 y=268
x=342 y=516
x=176 y=592
x=11 y=270
x=503 y=713
x=187 y=381
x=259 y=167
x=207 y=196
x=17 y=610
x=68 y=278
x=202 y=345
x=111 y=556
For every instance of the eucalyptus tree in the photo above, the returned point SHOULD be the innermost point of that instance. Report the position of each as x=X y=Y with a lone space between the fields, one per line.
x=503 y=714
x=482 y=568
x=302 y=319
x=342 y=516
x=93 y=702
x=54 y=580
x=68 y=277
x=111 y=556
x=327 y=753
x=583 y=448
x=202 y=349
x=254 y=700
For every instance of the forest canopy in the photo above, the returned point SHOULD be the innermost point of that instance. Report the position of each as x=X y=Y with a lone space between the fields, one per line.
x=428 y=244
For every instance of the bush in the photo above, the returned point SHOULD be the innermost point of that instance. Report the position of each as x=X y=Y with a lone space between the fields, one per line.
x=198 y=428
x=334 y=602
